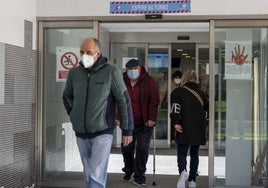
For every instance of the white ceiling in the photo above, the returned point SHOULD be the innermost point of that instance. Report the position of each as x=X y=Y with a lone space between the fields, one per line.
x=157 y=27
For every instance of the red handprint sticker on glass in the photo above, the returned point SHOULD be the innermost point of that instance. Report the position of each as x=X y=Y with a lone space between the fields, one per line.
x=238 y=57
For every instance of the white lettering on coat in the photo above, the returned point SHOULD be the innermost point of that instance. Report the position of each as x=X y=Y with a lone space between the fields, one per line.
x=175 y=108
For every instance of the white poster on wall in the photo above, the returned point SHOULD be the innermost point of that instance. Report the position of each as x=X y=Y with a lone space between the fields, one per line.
x=238 y=60
x=2 y=74
x=67 y=58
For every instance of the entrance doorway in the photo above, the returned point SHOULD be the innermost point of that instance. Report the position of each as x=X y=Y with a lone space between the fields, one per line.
x=161 y=60
x=59 y=158
x=238 y=118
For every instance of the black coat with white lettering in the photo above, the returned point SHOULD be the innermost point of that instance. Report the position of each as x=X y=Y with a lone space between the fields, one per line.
x=187 y=111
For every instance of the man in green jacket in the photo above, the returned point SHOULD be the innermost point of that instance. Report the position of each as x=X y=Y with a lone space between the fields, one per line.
x=92 y=91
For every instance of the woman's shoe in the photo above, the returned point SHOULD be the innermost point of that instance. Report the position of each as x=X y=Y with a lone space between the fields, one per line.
x=192 y=184
x=182 y=179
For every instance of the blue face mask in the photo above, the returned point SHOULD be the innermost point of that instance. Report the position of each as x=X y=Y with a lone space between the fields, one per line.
x=133 y=74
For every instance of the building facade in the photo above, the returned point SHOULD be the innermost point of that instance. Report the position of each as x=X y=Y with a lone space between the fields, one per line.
x=224 y=41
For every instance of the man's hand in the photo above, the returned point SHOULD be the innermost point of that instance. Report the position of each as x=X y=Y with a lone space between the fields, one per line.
x=150 y=123
x=126 y=140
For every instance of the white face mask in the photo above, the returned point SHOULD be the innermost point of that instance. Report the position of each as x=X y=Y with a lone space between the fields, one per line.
x=87 y=60
x=177 y=80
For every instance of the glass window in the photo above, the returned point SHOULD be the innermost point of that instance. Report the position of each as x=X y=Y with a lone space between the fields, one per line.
x=158 y=64
x=240 y=106
x=61 y=52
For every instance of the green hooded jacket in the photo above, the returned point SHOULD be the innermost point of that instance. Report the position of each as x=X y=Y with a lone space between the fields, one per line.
x=90 y=98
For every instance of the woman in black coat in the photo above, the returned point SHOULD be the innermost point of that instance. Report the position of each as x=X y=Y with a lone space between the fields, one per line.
x=188 y=116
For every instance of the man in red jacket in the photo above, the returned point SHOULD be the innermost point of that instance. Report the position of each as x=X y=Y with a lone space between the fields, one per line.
x=144 y=95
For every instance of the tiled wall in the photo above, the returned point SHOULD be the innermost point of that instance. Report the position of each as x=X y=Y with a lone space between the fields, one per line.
x=17 y=112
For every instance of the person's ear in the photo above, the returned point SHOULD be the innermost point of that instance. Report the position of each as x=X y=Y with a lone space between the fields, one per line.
x=98 y=55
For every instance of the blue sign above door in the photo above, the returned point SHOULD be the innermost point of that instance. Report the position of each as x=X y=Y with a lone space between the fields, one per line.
x=150 y=7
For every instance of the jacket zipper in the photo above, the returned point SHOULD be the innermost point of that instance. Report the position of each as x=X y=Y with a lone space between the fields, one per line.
x=85 y=110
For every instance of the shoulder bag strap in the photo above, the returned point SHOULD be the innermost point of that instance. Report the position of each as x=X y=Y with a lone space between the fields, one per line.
x=195 y=94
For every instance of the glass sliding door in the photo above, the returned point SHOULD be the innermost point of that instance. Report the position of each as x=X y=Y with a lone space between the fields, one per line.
x=240 y=134
x=59 y=48
x=157 y=63
x=120 y=54
x=158 y=67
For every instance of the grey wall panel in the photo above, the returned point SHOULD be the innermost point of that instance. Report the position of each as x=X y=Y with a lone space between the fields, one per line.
x=17 y=114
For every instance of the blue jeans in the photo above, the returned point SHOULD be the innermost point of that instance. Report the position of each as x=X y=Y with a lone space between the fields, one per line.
x=94 y=153
x=194 y=159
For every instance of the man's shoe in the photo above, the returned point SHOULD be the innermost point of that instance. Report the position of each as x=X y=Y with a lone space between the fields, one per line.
x=139 y=184
x=182 y=179
x=127 y=177
x=192 y=184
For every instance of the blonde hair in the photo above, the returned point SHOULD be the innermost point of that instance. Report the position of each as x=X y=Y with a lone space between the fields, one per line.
x=189 y=76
